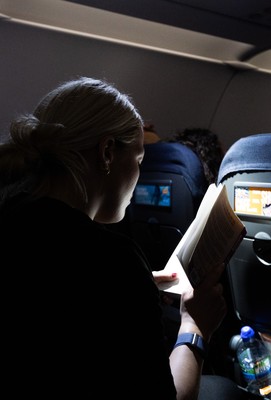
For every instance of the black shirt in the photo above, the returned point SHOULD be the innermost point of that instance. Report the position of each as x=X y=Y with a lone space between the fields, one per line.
x=81 y=314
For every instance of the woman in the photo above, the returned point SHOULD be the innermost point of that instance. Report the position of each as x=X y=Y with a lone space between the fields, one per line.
x=66 y=171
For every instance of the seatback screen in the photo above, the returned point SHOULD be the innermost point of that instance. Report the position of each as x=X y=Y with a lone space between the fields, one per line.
x=156 y=194
x=252 y=199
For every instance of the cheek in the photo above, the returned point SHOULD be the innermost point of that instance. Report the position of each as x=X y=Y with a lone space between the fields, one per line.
x=136 y=174
x=132 y=178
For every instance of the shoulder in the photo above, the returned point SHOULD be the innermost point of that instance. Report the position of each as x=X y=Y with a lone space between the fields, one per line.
x=57 y=230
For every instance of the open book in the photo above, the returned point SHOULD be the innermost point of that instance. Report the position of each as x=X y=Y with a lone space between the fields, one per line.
x=211 y=239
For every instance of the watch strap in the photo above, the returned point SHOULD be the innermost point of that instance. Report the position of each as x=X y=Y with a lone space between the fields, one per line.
x=193 y=340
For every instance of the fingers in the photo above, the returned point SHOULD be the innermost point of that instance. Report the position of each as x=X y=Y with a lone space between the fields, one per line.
x=162 y=276
x=205 y=304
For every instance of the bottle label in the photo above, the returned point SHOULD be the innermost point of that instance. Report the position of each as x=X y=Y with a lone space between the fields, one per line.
x=258 y=370
x=262 y=367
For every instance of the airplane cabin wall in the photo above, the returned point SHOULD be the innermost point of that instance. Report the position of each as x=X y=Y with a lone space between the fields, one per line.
x=245 y=108
x=172 y=91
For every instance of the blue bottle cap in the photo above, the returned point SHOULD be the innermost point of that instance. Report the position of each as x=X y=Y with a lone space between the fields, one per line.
x=247 y=332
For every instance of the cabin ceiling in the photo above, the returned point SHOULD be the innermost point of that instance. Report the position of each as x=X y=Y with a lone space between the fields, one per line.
x=237 y=32
x=244 y=21
x=247 y=21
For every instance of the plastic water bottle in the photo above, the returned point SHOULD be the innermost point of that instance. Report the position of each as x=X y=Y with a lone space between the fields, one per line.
x=255 y=362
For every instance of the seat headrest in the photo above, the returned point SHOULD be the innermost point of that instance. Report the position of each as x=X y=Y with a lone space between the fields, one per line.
x=171 y=157
x=251 y=153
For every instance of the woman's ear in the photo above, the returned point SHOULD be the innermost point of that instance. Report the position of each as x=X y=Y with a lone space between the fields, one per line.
x=106 y=153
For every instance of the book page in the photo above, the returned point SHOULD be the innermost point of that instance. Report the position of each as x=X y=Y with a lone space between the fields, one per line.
x=211 y=239
x=187 y=244
x=192 y=236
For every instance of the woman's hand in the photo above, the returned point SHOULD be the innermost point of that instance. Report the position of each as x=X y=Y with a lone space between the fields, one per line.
x=204 y=307
x=162 y=276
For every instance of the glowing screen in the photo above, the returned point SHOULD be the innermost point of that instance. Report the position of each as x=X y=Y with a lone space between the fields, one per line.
x=153 y=194
x=254 y=200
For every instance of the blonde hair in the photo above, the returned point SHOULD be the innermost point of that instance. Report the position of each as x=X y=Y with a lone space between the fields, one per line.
x=68 y=121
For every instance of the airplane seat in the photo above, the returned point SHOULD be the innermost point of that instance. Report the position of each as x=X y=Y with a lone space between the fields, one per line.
x=246 y=172
x=166 y=198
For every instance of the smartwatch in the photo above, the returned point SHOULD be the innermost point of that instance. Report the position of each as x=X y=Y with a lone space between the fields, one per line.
x=193 y=340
